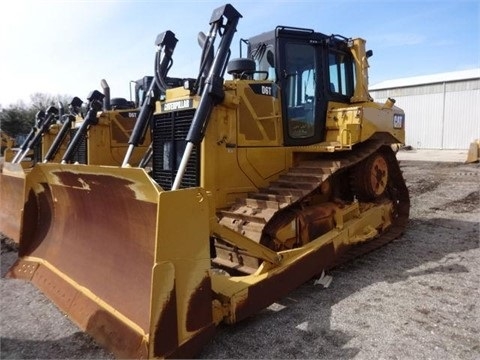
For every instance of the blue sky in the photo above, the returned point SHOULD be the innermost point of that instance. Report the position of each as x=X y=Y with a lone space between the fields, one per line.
x=67 y=47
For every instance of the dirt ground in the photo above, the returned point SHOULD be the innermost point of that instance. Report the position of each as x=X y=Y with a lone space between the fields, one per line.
x=415 y=298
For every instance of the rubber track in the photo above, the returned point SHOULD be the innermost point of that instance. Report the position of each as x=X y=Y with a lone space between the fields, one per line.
x=264 y=212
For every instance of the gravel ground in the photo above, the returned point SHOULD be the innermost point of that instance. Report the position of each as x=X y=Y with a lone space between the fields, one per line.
x=415 y=298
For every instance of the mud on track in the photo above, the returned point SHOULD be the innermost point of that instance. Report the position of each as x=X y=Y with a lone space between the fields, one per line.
x=413 y=298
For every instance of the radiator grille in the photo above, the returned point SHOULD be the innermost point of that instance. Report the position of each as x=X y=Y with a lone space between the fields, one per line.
x=168 y=135
x=80 y=153
x=37 y=153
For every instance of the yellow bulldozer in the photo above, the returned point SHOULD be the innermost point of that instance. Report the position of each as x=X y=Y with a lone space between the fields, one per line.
x=258 y=183
x=100 y=136
x=52 y=139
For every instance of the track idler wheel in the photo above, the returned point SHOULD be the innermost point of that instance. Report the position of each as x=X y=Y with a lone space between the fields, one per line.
x=370 y=177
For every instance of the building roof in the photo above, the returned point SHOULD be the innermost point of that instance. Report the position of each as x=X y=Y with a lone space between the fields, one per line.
x=428 y=79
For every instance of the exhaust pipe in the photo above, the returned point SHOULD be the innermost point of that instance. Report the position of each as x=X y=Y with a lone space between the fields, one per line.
x=61 y=110
x=106 y=91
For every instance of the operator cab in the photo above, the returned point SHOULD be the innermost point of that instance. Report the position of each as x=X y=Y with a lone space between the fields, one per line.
x=142 y=85
x=311 y=69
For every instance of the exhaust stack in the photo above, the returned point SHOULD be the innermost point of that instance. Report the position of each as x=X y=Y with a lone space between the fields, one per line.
x=106 y=92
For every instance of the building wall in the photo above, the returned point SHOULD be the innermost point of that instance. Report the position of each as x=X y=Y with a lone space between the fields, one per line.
x=438 y=116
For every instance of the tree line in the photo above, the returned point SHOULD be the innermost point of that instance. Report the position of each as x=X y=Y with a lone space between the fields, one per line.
x=19 y=118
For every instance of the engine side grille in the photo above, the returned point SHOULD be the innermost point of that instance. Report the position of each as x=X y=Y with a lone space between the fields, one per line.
x=37 y=154
x=80 y=153
x=169 y=131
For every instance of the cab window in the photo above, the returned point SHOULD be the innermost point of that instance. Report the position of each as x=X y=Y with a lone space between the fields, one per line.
x=300 y=90
x=340 y=70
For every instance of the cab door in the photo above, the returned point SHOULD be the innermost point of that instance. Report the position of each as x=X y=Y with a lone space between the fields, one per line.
x=303 y=102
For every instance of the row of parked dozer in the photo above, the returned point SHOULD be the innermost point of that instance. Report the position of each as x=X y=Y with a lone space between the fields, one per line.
x=206 y=199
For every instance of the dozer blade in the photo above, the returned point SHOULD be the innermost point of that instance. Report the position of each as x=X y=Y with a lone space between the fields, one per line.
x=113 y=251
x=12 y=186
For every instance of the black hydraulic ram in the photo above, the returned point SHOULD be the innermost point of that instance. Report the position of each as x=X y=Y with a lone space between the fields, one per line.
x=212 y=91
x=95 y=99
x=52 y=112
x=39 y=118
x=68 y=119
x=165 y=42
x=146 y=157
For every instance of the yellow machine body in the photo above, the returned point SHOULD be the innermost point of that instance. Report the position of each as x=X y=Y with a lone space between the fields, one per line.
x=149 y=271
x=259 y=157
x=107 y=141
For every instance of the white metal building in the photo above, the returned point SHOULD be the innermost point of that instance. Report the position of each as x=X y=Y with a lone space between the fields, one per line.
x=442 y=111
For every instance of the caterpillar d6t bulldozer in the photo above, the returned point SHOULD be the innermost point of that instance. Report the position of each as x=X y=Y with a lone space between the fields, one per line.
x=259 y=182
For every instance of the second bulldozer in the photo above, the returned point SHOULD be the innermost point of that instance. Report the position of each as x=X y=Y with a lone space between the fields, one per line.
x=258 y=183
x=105 y=143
